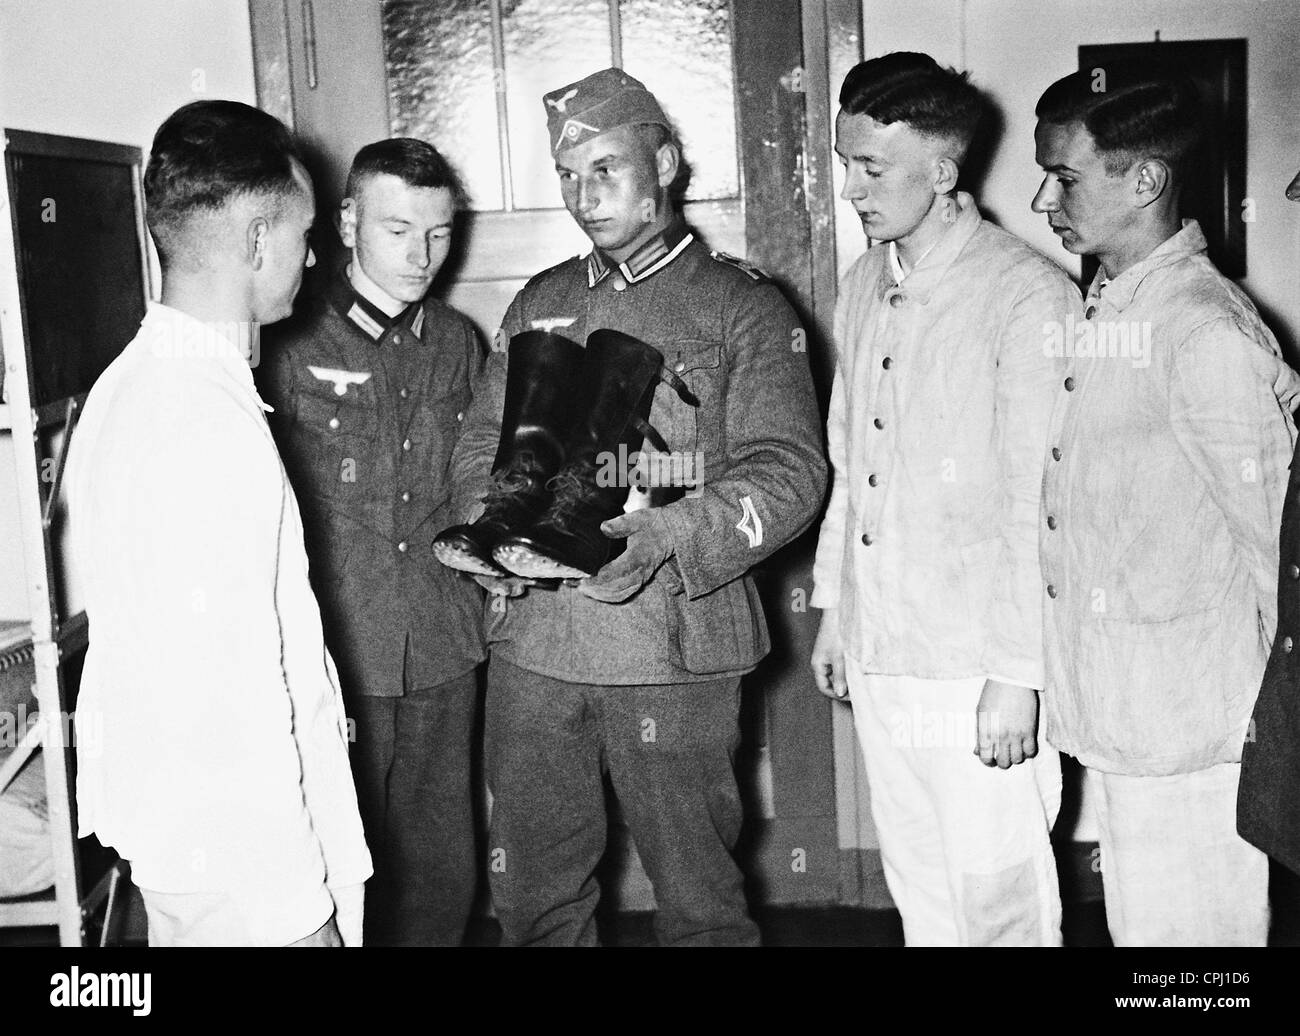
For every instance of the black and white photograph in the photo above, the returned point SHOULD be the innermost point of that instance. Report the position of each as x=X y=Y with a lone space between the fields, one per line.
x=809 y=475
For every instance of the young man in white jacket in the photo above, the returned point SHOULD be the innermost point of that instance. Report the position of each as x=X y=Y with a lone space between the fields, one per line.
x=220 y=769
x=927 y=565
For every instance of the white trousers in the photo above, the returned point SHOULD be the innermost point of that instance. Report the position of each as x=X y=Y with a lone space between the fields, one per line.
x=1175 y=871
x=966 y=848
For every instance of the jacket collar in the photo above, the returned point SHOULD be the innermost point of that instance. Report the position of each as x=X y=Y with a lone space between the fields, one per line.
x=1120 y=292
x=372 y=321
x=646 y=261
x=925 y=276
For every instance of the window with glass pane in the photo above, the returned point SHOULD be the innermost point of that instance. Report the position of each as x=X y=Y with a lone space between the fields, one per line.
x=444 y=58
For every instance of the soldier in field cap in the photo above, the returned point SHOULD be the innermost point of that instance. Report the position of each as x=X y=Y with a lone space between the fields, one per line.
x=634 y=673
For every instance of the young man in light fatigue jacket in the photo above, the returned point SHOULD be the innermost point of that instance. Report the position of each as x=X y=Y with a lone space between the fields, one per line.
x=927 y=565
x=1163 y=490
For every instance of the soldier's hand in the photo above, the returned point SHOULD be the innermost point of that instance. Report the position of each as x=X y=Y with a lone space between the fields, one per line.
x=649 y=545
x=1006 y=723
x=828 y=657
x=504 y=586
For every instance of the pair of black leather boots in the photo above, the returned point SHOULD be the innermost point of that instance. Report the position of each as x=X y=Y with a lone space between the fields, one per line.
x=573 y=417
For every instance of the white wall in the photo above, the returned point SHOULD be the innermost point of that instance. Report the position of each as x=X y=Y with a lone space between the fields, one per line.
x=1015 y=48
x=109 y=70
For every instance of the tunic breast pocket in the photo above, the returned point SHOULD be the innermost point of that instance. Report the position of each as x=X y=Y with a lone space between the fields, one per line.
x=432 y=431
x=697 y=363
x=336 y=436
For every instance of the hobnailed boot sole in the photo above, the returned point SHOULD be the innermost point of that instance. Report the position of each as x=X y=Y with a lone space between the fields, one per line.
x=458 y=555
x=530 y=564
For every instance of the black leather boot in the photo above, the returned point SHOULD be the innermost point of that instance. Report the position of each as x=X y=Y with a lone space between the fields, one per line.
x=541 y=405
x=618 y=387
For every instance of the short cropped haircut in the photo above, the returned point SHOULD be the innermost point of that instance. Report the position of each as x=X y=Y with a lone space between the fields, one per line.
x=205 y=155
x=415 y=162
x=1133 y=112
x=914 y=89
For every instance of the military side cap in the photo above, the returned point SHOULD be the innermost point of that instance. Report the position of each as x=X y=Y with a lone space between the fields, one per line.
x=603 y=101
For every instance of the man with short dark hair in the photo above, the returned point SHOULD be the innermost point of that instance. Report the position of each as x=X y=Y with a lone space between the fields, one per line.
x=1164 y=481
x=634 y=672
x=927 y=564
x=369 y=394
x=223 y=776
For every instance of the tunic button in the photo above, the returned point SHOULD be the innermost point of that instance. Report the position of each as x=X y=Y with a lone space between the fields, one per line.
x=872 y=480
x=681 y=366
x=1069 y=384
x=1295 y=571
x=1051 y=591
x=878 y=423
x=1056 y=453
x=1051 y=521
x=403 y=392
x=406 y=446
x=402 y=546
x=406 y=496
x=1287 y=645
x=619 y=283
x=334 y=422
x=866 y=540
x=1089 y=313
x=460 y=415
x=397 y=338
x=886 y=363
x=895 y=300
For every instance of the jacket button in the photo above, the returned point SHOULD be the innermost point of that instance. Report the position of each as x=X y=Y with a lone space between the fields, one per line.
x=403 y=392
x=397 y=337
x=1051 y=591
x=872 y=480
x=402 y=546
x=334 y=422
x=1295 y=571
x=878 y=423
x=895 y=300
x=460 y=415
x=1089 y=313
x=866 y=540
x=406 y=446
x=1287 y=645
x=1069 y=384
x=886 y=363
x=619 y=283
x=1056 y=453
x=680 y=366
x=406 y=496
x=1051 y=521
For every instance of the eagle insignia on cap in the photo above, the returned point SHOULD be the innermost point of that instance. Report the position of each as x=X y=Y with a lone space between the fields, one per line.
x=561 y=103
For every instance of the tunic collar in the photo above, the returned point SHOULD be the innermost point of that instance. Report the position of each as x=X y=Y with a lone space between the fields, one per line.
x=367 y=317
x=646 y=261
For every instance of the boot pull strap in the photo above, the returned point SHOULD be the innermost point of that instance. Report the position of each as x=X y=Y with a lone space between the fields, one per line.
x=683 y=393
x=649 y=434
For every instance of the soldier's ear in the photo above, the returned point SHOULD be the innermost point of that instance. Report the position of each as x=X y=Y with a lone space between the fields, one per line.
x=348 y=222
x=667 y=159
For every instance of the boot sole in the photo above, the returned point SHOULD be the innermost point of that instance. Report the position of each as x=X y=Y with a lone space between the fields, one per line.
x=523 y=561
x=456 y=556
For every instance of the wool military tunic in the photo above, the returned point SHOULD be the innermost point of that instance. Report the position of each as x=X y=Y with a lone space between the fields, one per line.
x=755 y=439
x=1268 y=815
x=368 y=410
